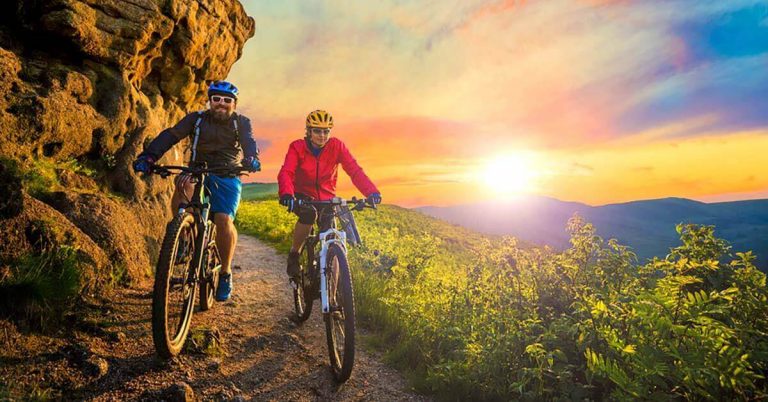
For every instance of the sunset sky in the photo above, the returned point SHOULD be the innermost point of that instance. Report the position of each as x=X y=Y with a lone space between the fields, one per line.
x=448 y=102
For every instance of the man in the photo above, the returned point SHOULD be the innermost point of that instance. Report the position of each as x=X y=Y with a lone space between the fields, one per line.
x=218 y=134
x=310 y=172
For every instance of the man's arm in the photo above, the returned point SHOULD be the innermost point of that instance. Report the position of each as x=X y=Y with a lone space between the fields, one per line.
x=355 y=172
x=288 y=172
x=170 y=136
x=247 y=142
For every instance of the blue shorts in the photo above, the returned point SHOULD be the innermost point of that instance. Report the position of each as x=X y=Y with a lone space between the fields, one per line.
x=225 y=194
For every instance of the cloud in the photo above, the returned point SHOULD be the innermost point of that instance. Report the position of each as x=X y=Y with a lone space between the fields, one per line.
x=418 y=86
x=733 y=88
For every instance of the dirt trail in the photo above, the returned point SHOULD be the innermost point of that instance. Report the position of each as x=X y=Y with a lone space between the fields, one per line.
x=264 y=355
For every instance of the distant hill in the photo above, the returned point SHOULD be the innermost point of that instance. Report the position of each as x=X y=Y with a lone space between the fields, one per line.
x=647 y=226
x=259 y=191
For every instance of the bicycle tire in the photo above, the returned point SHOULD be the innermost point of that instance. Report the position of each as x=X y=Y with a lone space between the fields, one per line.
x=340 y=321
x=169 y=337
x=302 y=297
x=210 y=279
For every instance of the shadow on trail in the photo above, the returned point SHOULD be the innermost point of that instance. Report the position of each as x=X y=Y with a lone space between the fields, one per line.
x=122 y=371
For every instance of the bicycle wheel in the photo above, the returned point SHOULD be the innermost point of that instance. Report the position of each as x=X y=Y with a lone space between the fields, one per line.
x=210 y=279
x=173 y=299
x=340 y=320
x=302 y=292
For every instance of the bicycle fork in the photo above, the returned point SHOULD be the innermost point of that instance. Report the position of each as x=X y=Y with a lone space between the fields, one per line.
x=340 y=239
x=201 y=245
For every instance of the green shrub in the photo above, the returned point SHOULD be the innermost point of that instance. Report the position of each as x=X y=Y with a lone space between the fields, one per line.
x=475 y=317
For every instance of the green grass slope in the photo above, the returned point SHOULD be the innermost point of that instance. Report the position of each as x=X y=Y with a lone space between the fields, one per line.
x=259 y=191
x=468 y=316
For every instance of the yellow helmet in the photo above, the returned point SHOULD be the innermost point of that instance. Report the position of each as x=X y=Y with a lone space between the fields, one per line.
x=320 y=119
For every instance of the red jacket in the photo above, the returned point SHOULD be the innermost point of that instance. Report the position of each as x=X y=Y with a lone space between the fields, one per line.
x=303 y=173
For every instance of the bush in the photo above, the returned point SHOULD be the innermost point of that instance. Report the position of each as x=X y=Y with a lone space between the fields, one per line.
x=474 y=317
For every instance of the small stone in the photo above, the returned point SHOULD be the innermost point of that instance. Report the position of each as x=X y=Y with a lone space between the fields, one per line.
x=180 y=392
x=96 y=366
x=287 y=322
x=117 y=337
x=237 y=267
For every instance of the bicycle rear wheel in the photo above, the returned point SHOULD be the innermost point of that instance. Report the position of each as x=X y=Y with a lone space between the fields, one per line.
x=302 y=292
x=340 y=320
x=210 y=279
x=173 y=298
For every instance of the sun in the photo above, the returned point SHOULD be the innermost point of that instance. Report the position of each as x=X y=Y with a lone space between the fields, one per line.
x=510 y=174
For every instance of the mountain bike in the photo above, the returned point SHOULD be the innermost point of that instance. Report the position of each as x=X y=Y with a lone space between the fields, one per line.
x=324 y=274
x=189 y=262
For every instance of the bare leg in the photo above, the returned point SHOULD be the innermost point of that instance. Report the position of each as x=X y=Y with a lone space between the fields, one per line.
x=226 y=239
x=300 y=234
x=182 y=192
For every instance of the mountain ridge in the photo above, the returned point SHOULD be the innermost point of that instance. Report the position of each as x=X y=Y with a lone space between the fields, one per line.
x=648 y=226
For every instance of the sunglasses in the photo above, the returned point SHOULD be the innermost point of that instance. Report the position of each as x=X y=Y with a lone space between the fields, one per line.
x=217 y=99
x=319 y=131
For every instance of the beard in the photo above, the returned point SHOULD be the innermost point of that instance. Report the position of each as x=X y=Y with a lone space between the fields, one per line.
x=221 y=114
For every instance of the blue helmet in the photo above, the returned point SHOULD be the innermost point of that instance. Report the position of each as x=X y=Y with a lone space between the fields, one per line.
x=222 y=88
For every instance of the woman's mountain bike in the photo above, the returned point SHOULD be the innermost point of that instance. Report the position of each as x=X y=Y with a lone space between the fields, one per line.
x=189 y=262
x=324 y=274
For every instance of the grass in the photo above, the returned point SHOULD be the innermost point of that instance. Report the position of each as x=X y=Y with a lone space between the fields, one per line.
x=204 y=340
x=32 y=392
x=268 y=221
x=396 y=241
x=39 y=176
x=467 y=316
x=40 y=285
x=259 y=191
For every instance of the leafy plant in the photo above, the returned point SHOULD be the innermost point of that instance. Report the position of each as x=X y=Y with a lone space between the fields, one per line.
x=475 y=317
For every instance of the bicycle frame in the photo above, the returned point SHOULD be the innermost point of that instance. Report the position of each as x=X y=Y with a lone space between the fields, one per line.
x=203 y=225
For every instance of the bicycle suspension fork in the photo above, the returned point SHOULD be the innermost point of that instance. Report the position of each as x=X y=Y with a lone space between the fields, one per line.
x=340 y=239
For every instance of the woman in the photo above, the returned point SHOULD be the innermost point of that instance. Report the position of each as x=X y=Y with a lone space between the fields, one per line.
x=310 y=171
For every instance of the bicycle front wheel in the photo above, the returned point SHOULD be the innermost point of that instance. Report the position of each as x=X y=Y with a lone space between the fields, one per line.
x=340 y=320
x=302 y=291
x=173 y=298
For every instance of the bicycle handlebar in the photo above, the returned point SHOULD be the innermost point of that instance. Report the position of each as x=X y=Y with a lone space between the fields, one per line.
x=166 y=170
x=358 y=203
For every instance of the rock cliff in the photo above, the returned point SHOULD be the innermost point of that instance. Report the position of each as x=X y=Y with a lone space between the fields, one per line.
x=84 y=84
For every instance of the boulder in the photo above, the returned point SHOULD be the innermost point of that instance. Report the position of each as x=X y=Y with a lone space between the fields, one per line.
x=94 y=80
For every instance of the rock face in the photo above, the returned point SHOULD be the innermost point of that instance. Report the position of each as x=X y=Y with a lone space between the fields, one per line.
x=93 y=80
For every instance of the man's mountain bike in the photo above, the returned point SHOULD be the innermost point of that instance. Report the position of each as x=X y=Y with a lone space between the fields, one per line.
x=189 y=262
x=324 y=274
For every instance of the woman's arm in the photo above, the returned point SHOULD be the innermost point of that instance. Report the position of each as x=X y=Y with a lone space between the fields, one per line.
x=355 y=172
x=288 y=172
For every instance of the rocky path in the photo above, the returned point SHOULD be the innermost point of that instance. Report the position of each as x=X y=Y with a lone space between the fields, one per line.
x=243 y=349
